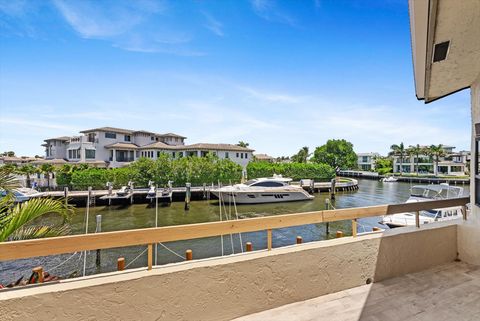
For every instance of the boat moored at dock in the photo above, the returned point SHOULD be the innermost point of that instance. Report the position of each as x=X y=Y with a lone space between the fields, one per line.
x=262 y=190
x=421 y=193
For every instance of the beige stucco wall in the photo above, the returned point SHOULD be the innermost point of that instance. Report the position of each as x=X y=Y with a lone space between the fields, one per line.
x=221 y=289
x=469 y=231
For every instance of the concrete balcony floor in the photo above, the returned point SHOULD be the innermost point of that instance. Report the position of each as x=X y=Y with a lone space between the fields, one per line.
x=446 y=292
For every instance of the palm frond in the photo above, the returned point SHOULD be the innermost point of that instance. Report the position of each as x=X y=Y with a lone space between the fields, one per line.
x=8 y=182
x=21 y=214
x=34 y=232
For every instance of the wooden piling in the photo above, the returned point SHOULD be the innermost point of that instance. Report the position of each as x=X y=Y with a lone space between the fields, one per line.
x=299 y=240
x=249 y=247
x=339 y=234
x=188 y=255
x=187 y=195
x=327 y=225
x=417 y=219
x=332 y=188
x=121 y=264
x=354 y=227
x=39 y=271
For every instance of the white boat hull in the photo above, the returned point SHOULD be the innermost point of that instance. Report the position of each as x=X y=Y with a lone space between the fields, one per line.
x=260 y=197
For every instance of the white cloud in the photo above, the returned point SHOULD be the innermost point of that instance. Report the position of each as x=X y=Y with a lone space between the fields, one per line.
x=136 y=26
x=268 y=10
x=213 y=25
x=271 y=97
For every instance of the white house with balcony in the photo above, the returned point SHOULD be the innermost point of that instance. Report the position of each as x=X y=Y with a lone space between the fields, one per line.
x=118 y=147
x=366 y=161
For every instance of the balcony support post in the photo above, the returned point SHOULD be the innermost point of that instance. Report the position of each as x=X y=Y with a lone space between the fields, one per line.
x=149 y=256
x=269 y=239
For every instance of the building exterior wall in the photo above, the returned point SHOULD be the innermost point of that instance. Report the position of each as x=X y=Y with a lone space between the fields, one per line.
x=225 y=288
x=57 y=149
x=469 y=231
x=366 y=161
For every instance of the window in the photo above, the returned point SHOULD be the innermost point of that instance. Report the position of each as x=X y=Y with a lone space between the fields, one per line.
x=152 y=138
x=173 y=154
x=158 y=154
x=268 y=184
x=110 y=135
x=127 y=138
x=364 y=159
x=241 y=155
x=226 y=155
x=73 y=153
x=237 y=155
x=180 y=154
x=246 y=155
x=90 y=153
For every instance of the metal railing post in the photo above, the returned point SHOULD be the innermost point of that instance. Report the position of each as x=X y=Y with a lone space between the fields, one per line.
x=354 y=227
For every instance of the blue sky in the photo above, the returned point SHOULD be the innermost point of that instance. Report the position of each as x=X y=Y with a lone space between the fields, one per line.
x=277 y=74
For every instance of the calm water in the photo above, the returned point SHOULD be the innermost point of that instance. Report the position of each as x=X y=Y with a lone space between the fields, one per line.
x=143 y=215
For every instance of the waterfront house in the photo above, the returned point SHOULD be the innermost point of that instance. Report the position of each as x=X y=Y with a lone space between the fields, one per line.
x=117 y=147
x=452 y=163
x=366 y=161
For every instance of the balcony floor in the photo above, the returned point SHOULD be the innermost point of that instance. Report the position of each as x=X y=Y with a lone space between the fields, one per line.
x=446 y=292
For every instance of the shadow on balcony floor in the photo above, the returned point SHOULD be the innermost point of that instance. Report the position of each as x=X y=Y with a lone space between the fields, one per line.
x=446 y=292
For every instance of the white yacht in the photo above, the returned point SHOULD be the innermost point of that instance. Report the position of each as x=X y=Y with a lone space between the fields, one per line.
x=23 y=194
x=262 y=190
x=389 y=179
x=421 y=193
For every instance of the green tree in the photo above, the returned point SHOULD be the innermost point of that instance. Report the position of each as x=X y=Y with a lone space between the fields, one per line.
x=243 y=144
x=47 y=170
x=27 y=170
x=9 y=154
x=336 y=153
x=436 y=151
x=398 y=150
x=383 y=165
x=18 y=220
x=301 y=156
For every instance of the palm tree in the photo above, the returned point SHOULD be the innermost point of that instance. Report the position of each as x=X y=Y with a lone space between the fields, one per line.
x=47 y=169
x=399 y=150
x=27 y=170
x=415 y=151
x=243 y=144
x=436 y=151
x=302 y=155
x=17 y=221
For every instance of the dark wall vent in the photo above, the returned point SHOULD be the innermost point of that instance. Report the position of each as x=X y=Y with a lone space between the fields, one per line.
x=440 y=51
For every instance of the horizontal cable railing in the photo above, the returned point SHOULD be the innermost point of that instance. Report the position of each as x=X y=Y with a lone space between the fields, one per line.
x=149 y=236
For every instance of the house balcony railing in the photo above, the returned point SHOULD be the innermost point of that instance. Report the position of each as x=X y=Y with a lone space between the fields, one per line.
x=149 y=236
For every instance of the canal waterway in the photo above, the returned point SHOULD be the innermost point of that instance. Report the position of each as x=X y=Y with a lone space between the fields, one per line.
x=123 y=217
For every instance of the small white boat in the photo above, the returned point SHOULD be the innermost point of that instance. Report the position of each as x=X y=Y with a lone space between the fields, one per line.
x=23 y=194
x=390 y=179
x=263 y=190
x=421 y=193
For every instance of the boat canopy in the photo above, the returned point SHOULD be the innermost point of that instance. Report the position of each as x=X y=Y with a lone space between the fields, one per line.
x=441 y=191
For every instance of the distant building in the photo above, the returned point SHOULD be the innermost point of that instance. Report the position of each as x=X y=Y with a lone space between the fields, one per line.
x=450 y=164
x=117 y=147
x=264 y=157
x=366 y=161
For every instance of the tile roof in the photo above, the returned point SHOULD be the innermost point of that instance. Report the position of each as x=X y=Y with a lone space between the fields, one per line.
x=122 y=145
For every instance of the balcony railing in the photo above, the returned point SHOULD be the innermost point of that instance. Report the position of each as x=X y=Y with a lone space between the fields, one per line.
x=150 y=236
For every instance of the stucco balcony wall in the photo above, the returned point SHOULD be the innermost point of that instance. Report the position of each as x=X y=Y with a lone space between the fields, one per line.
x=226 y=288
